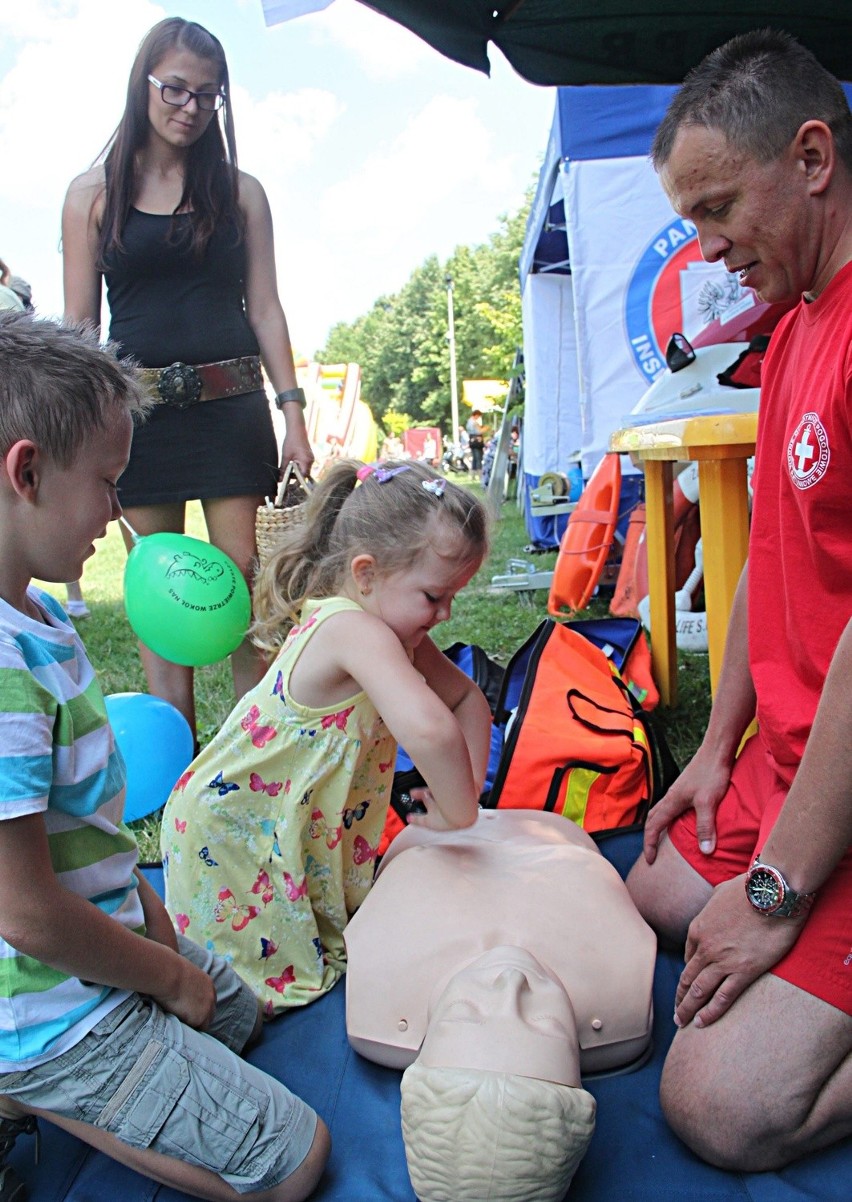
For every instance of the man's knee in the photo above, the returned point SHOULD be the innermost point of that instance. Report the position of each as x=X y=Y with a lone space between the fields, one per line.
x=695 y=1110
x=640 y=883
x=668 y=893
x=717 y=1116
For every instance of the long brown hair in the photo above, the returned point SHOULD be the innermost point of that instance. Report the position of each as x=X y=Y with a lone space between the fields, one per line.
x=211 y=183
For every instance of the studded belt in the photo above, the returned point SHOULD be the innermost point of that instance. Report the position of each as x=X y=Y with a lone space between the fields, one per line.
x=182 y=384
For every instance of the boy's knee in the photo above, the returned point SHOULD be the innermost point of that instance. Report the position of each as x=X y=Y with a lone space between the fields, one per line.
x=303 y=1181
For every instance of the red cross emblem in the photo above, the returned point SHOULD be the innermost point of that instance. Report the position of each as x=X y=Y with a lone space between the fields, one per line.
x=808 y=452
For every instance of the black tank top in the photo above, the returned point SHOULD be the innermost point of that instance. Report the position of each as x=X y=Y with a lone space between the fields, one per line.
x=166 y=305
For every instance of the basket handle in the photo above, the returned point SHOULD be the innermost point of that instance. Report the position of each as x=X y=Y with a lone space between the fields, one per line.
x=292 y=469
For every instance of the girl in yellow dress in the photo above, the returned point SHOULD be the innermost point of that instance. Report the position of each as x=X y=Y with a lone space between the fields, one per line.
x=269 y=839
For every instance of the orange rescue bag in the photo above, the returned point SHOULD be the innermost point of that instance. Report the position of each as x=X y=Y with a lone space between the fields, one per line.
x=577 y=741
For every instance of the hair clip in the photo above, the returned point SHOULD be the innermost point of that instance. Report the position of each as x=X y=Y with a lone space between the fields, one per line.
x=383 y=474
x=435 y=487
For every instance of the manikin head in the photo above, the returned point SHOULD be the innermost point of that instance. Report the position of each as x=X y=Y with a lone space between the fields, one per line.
x=493 y=1109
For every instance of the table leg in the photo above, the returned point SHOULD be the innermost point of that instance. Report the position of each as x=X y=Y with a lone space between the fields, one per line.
x=659 y=536
x=724 y=541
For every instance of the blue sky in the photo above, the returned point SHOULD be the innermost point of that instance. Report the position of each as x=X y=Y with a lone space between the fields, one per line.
x=375 y=151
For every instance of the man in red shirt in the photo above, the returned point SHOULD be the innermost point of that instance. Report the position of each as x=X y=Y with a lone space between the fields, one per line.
x=748 y=857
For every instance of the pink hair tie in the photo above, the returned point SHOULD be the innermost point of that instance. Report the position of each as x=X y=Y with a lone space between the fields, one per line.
x=379 y=473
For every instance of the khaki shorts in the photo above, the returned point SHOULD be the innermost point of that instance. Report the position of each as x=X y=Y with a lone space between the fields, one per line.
x=153 y=1082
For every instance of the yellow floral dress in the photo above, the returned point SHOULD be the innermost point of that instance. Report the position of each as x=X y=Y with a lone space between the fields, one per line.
x=269 y=838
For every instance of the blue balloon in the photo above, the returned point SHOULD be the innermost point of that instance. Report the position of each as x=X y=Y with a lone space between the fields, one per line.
x=157 y=745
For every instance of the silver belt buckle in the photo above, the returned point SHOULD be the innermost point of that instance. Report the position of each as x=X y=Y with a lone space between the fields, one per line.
x=179 y=385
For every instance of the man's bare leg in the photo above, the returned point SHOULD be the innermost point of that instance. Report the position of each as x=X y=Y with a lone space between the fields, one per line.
x=767 y=1083
x=668 y=893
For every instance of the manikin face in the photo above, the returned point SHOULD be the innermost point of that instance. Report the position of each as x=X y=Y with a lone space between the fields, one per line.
x=415 y=599
x=505 y=1012
x=755 y=217
x=181 y=127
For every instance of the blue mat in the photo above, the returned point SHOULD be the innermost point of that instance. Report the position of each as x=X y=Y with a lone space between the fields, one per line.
x=633 y=1156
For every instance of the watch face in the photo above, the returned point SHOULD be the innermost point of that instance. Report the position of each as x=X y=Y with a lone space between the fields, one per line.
x=765 y=891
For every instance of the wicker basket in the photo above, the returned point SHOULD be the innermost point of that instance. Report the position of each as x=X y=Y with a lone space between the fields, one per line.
x=288 y=511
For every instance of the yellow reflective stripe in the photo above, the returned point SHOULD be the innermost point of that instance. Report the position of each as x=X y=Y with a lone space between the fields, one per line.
x=639 y=735
x=638 y=692
x=579 y=783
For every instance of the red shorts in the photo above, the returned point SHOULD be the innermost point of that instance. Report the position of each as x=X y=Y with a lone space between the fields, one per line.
x=821 y=960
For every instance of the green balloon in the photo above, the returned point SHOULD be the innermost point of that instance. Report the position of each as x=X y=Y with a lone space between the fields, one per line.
x=185 y=599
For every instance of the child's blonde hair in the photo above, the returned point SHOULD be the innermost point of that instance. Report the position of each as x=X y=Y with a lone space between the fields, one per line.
x=387 y=511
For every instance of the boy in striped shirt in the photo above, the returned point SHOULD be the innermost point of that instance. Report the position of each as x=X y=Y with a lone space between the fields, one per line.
x=111 y=1025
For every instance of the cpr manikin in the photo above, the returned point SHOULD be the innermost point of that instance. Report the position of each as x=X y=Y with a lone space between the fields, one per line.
x=498 y=962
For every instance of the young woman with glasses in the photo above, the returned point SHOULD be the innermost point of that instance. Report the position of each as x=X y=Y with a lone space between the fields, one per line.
x=184 y=242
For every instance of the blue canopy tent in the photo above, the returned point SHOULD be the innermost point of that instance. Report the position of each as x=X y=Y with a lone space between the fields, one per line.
x=608 y=272
x=581 y=377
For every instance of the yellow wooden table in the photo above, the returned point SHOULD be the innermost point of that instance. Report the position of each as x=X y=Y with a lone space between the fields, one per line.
x=721 y=444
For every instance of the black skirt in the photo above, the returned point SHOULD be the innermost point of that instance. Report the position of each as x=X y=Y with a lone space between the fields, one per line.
x=223 y=448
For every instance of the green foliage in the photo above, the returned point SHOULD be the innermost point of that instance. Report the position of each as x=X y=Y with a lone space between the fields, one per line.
x=395 y=423
x=402 y=343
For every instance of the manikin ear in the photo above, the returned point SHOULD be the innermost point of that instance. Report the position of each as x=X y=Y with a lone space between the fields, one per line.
x=816 y=153
x=23 y=468
x=363 y=569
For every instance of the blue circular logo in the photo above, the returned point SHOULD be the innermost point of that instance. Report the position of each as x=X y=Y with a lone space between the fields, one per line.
x=652 y=308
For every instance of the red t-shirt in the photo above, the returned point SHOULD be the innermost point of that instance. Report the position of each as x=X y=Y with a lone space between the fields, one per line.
x=800 y=546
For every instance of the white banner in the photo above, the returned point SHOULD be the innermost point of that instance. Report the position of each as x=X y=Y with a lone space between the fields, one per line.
x=638 y=277
x=552 y=429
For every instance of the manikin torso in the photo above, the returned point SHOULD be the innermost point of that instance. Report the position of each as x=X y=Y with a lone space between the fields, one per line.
x=516 y=879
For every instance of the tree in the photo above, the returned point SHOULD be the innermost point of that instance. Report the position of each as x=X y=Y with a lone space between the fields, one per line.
x=402 y=346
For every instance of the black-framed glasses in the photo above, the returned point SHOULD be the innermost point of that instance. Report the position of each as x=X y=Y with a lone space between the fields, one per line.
x=180 y=97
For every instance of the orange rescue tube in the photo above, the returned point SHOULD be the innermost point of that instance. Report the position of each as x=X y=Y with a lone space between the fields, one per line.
x=687 y=531
x=587 y=539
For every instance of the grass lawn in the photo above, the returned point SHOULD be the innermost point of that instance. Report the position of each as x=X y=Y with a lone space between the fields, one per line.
x=498 y=621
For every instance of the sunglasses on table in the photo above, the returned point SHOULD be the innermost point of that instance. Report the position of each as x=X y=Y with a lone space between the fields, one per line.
x=180 y=97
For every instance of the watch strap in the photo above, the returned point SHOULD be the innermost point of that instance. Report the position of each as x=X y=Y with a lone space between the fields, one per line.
x=294 y=395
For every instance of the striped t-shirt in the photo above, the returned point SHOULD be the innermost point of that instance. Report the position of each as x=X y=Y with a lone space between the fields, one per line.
x=58 y=757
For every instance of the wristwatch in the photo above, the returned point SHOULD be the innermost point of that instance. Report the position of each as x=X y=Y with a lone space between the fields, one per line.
x=770 y=894
x=290 y=394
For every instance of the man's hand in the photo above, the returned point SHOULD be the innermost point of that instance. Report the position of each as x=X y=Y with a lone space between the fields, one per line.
x=729 y=945
x=702 y=785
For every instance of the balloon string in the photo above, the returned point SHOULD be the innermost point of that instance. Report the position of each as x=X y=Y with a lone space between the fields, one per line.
x=136 y=537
